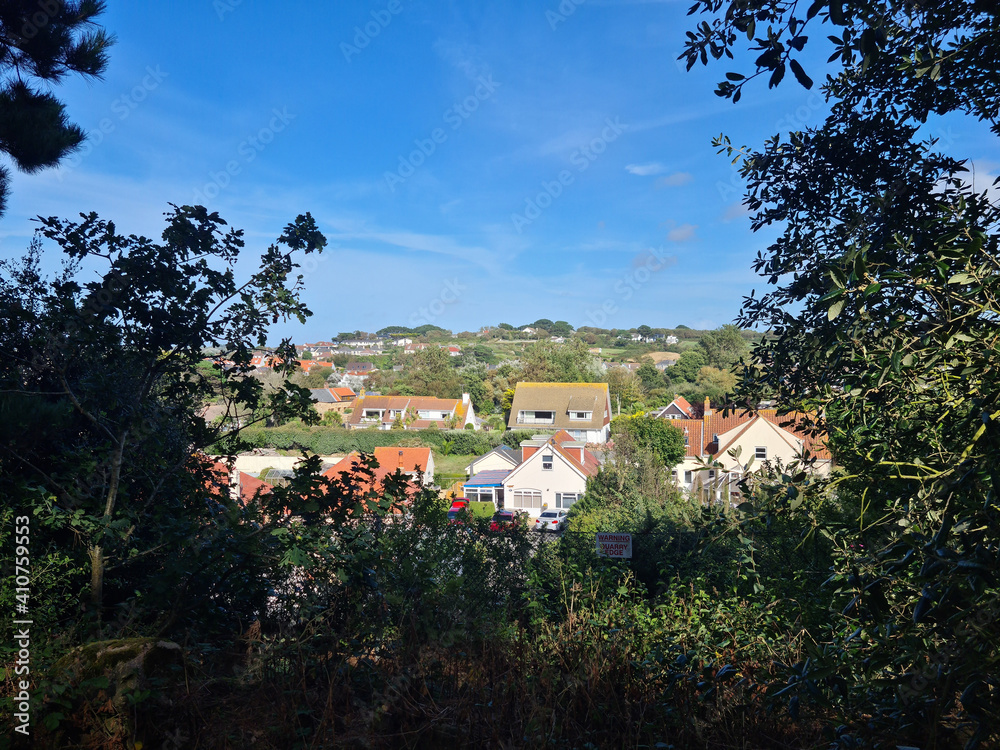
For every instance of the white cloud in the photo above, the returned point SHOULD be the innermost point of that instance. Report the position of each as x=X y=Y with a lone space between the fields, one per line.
x=683 y=233
x=675 y=180
x=644 y=170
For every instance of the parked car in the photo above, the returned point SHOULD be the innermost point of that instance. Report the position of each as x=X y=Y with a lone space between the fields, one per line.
x=551 y=520
x=505 y=519
x=459 y=507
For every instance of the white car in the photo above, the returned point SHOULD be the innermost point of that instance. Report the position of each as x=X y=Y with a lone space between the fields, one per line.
x=551 y=520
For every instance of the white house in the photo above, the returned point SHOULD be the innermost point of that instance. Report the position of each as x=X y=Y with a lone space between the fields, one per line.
x=553 y=473
x=501 y=457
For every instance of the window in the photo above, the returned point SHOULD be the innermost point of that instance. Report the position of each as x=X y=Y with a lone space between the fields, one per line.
x=547 y=462
x=715 y=438
x=687 y=477
x=760 y=452
x=536 y=417
x=565 y=500
x=581 y=416
x=711 y=474
x=673 y=474
x=527 y=499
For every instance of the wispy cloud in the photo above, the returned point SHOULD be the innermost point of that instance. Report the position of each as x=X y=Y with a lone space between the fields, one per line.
x=644 y=170
x=675 y=180
x=683 y=233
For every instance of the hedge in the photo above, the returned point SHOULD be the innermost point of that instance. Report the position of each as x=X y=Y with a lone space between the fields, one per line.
x=327 y=441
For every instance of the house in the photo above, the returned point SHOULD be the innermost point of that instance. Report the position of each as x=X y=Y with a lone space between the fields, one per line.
x=332 y=399
x=679 y=408
x=501 y=457
x=414 y=347
x=487 y=486
x=671 y=339
x=558 y=340
x=360 y=369
x=412 y=412
x=553 y=473
x=409 y=461
x=583 y=409
x=453 y=350
x=733 y=439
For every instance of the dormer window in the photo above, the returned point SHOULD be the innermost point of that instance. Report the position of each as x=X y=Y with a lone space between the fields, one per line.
x=581 y=416
x=547 y=462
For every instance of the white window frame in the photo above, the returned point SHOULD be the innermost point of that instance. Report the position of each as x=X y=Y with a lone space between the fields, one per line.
x=581 y=416
x=527 y=498
x=760 y=452
x=547 y=459
x=565 y=500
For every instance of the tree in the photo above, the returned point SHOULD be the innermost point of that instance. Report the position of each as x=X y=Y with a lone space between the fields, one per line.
x=689 y=365
x=306 y=354
x=114 y=364
x=44 y=41
x=433 y=374
x=656 y=435
x=651 y=377
x=885 y=328
x=724 y=347
x=625 y=389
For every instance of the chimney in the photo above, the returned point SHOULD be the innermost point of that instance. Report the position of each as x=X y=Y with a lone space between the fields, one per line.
x=707 y=411
x=582 y=452
x=465 y=398
x=401 y=460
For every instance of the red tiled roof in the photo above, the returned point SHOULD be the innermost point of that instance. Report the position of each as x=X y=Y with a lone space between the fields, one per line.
x=701 y=432
x=249 y=487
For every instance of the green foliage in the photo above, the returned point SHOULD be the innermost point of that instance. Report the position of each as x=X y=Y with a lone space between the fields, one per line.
x=659 y=436
x=688 y=366
x=883 y=325
x=40 y=46
x=724 y=347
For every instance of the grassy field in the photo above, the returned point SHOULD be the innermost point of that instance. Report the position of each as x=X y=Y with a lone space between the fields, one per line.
x=450 y=464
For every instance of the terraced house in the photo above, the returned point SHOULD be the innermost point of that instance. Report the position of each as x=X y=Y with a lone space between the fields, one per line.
x=411 y=413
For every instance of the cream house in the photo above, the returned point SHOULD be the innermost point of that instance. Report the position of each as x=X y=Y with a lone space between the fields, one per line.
x=731 y=440
x=582 y=409
x=553 y=473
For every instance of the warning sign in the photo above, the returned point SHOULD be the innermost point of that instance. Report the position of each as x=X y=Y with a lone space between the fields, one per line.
x=614 y=545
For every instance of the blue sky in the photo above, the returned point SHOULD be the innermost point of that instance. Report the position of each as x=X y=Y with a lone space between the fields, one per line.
x=469 y=162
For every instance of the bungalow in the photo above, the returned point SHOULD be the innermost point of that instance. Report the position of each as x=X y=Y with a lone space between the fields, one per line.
x=412 y=412
x=332 y=399
x=582 y=409
x=409 y=461
x=552 y=474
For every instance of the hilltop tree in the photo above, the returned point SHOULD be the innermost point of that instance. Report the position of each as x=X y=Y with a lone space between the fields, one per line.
x=724 y=347
x=43 y=42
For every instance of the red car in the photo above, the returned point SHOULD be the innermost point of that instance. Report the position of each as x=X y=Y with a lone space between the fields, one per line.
x=504 y=519
x=459 y=507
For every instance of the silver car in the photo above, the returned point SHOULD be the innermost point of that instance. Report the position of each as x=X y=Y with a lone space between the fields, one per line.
x=551 y=520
